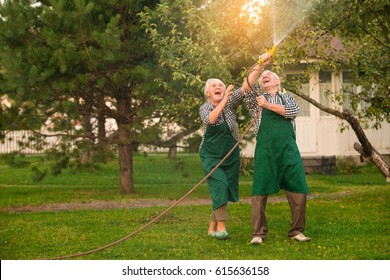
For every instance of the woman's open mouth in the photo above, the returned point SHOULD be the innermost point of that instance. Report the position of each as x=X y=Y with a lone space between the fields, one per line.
x=218 y=93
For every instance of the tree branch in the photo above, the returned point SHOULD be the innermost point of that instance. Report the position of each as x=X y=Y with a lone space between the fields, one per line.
x=372 y=36
x=364 y=148
x=347 y=116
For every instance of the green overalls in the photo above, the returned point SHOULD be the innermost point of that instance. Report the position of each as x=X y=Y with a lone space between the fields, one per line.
x=223 y=183
x=278 y=163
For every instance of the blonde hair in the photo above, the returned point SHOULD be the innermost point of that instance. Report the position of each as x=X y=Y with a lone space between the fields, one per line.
x=208 y=83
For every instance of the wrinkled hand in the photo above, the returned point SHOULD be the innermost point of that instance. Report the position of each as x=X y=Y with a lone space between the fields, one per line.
x=264 y=59
x=229 y=91
x=261 y=101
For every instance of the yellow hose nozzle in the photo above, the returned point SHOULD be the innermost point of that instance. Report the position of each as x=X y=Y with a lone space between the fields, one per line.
x=271 y=53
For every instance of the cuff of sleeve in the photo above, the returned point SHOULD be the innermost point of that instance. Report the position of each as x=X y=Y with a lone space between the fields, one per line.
x=289 y=113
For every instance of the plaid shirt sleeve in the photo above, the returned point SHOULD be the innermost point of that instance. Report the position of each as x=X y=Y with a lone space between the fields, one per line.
x=251 y=102
x=204 y=112
x=291 y=106
x=235 y=99
x=253 y=107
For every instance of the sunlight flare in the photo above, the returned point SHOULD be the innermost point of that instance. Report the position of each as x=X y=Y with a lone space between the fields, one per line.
x=253 y=9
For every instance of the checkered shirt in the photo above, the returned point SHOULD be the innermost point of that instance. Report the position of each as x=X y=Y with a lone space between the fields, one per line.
x=229 y=111
x=291 y=106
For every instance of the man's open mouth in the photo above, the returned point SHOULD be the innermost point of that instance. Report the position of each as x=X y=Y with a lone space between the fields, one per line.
x=266 y=80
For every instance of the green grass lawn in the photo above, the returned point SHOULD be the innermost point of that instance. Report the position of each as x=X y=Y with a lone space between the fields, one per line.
x=347 y=219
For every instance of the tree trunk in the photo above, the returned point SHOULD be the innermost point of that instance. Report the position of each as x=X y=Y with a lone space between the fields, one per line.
x=376 y=159
x=102 y=141
x=124 y=145
x=125 y=160
x=172 y=151
x=87 y=143
x=365 y=148
x=172 y=143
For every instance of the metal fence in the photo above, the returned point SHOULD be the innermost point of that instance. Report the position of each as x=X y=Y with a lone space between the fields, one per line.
x=25 y=142
x=15 y=141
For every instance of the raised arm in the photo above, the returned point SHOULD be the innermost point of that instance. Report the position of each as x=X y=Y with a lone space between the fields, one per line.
x=255 y=72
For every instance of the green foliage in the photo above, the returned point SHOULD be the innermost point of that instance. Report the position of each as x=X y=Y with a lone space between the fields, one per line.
x=247 y=166
x=192 y=45
x=38 y=173
x=15 y=160
x=63 y=50
x=66 y=63
x=349 y=166
x=193 y=143
x=353 y=36
x=59 y=165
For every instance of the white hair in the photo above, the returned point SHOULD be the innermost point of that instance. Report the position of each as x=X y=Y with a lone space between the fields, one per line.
x=209 y=81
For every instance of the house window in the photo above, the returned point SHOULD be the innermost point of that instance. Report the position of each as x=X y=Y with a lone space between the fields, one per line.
x=347 y=89
x=325 y=90
x=299 y=83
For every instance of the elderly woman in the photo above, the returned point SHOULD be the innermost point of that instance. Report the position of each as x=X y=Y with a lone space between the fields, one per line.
x=218 y=115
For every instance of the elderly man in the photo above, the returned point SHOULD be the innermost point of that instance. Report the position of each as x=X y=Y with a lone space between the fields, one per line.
x=278 y=164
